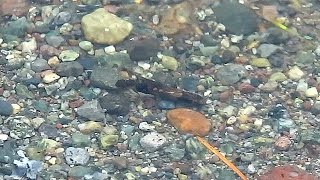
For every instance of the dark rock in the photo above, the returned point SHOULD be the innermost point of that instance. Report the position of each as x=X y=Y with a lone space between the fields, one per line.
x=228 y=56
x=91 y=111
x=5 y=108
x=215 y=59
x=143 y=49
x=62 y=17
x=115 y=103
x=277 y=60
x=237 y=18
x=16 y=28
x=164 y=104
x=73 y=68
x=49 y=130
x=275 y=36
x=39 y=65
x=104 y=77
x=189 y=83
x=231 y=74
x=54 y=40
x=88 y=62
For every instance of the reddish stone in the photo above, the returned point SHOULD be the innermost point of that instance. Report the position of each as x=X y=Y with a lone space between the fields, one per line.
x=282 y=143
x=48 y=51
x=75 y=104
x=307 y=105
x=13 y=7
x=1 y=91
x=189 y=121
x=59 y=126
x=246 y=88
x=226 y=95
x=287 y=172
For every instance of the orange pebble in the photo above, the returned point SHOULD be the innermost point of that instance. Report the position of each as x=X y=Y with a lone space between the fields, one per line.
x=189 y=121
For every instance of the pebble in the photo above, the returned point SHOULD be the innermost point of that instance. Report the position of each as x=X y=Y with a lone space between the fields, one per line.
x=90 y=127
x=5 y=108
x=54 y=40
x=189 y=121
x=73 y=68
x=265 y=50
x=76 y=156
x=260 y=62
x=270 y=86
x=169 y=62
x=91 y=111
x=144 y=126
x=282 y=143
x=50 y=77
x=68 y=55
x=311 y=92
x=231 y=74
x=86 y=45
x=278 y=77
x=152 y=141
x=39 y=65
x=295 y=73
x=143 y=49
x=108 y=140
x=29 y=46
x=287 y=172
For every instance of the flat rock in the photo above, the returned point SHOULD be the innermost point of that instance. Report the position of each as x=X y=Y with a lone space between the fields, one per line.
x=91 y=111
x=231 y=73
x=287 y=172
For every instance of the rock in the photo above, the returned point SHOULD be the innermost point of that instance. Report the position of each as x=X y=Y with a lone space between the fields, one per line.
x=104 y=77
x=287 y=172
x=54 y=40
x=228 y=56
x=90 y=127
x=68 y=55
x=266 y=50
x=295 y=73
x=275 y=35
x=91 y=111
x=40 y=65
x=278 y=77
x=76 y=156
x=103 y=27
x=62 y=18
x=304 y=58
x=152 y=141
x=23 y=91
x=49 y=130
x=29 y=46
x=80 y=140
x=169 y=62
x=50 y=77
x=5 y=108
x=14 y=7
x=195 y=149
x=48 y=51
x=237 y=18
x=270 y=86
x=231 y=73
x=16 y=28
x=108 y=140
x=311 y=92
x=209 y=50
x=175 y=152
x=260 y=62
x=74 y=69
x=143 y=49
x=86 y=45
x=246 y=88
x=80 y=171
x=115 y=103
x=282 y=143
x=189 y=121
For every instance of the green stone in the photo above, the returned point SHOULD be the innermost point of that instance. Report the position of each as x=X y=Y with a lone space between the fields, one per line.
x=80 y=140
x=227 y=148
x=260 y=62
x=41 y=106
x=86 y=45
x=23 y=91
x=169 y=62
x=195 y=149
x=108 y=140
x=68 y=55
x=80 y=171
x=278 y=77
x=35 y=153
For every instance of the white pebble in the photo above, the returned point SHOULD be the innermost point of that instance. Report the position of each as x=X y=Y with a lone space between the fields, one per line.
x=251 y=169
x=50 y=77
x=295 y=73
x=311 y=92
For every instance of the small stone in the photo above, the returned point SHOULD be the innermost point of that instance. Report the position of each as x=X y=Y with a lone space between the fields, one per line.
x=278 y=77
x=189 y=121
x=282 y=143
x=287 y=172
x=76 y=156
x=29 y=46
x=86 y=45
x=91 y=111
x=6 y=108
x=231 y=74
x=68 y=55
x=260 y=62
x=304 y=58
x=53 y=61
x=144 y=49
x=36 y=122
x=74 y=69
x=90 y=127
x=295 y=73
x=231 y=120
x=79 y=172
x=312 y=92
x=50 y=77
x=169 y=62
x=246 y=88
x=108 y=140
x=265 y=50
x=103 y=27
x=54 y=40
x=39 y=65
x=152 y=141
x=80 y=140
x=270 y=86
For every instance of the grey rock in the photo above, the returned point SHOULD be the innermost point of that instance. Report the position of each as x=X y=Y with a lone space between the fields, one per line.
x=115 y=103
x=79 y=171
x=304 y=58
x=39 y=65
x=116 y=60
x=152 y=141
x=104 y=77
x=16 y=28
x=265 y=50
x=143 y=49
x=54 y=40
x=231 y=73
x=237 y=18
x=5 y=108
x=69 y=69
x=76 y=156
x=91 y=111
x=175 y=152
x=62 y=17
x=23 y=91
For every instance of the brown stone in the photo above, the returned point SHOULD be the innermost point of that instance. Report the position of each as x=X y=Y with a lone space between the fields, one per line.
x=189 y=121
x=287 y=172
x=14 y=7
x=246 y=88
x=282 y=143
